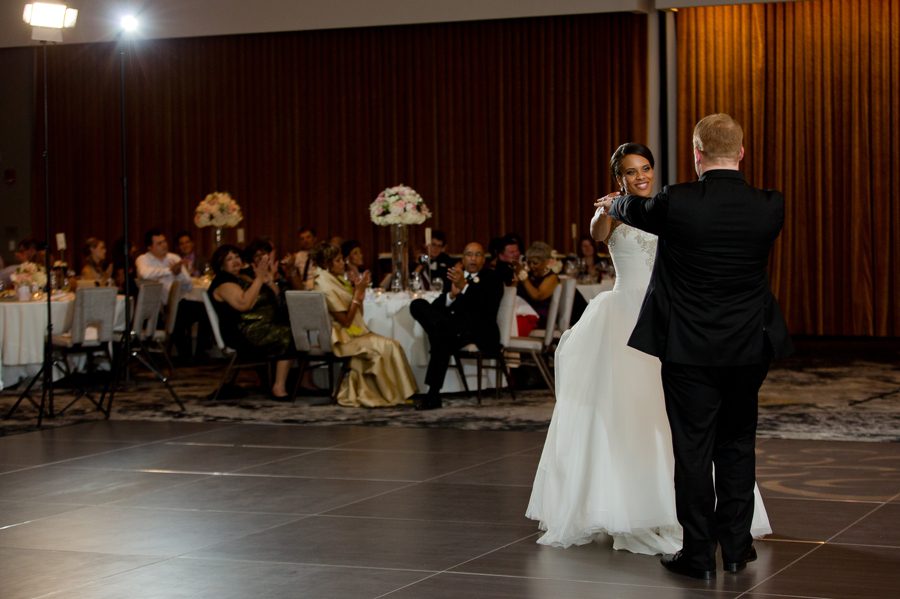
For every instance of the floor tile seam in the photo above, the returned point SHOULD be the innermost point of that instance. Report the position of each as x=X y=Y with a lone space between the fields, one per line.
x=868 y=545
x=770 y=495
x=204 y=558
x=798 y=559
x=465 y=468
x=593 y=582
x=66 y=592
x=746 y=594
x=278 y=460
x=241 y=473
x=157 y=508
x=855 y=522
x=328 y=514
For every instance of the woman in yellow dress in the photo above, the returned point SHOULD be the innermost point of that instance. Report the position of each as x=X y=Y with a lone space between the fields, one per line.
x=379 y=373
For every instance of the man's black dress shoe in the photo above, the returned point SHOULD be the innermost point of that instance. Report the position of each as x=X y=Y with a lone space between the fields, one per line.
x=678 y=564
x=749 y=556
x=429 y=402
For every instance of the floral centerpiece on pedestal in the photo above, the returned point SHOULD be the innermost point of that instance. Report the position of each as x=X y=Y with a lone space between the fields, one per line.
x=29 y=273
x=218 y=209
x=399 y=207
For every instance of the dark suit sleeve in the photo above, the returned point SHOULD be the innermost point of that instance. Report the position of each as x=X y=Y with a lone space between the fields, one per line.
x=645 y=214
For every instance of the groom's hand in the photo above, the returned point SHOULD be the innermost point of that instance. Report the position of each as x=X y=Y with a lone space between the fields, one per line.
x=604 y=204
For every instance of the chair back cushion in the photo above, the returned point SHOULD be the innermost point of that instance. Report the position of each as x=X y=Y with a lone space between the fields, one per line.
x=172 y=306
x=214 y=322
x=146 y=308
x=552 y=315
x=506 y=314
x=566 y=303
x=310 y=321
x=93 y=315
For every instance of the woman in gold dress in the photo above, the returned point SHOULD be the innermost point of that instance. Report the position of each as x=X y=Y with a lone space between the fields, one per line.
x=379 y=373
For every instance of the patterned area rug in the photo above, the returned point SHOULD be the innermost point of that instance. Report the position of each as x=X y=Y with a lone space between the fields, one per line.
x=853 y=396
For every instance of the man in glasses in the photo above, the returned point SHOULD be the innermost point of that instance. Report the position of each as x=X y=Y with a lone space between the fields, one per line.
x=466 y=312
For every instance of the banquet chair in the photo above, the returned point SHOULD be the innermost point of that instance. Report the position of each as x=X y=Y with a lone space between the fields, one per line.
x=237 y=360
x=91 y=334
x=564 y=316
x=539 y=348
x=144 y=319
x=161 y=341
x=311 y=326
x=506 y=315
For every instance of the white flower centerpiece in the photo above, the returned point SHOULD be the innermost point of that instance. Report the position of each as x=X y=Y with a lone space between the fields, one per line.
x=27 y=277
x=218 y=209
x=399 y=207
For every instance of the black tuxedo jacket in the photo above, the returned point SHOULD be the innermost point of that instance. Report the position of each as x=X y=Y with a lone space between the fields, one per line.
x=709 y=302
x=474 y=313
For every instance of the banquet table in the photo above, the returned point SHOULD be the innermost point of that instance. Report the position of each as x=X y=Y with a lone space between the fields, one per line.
x=590 y=291
x=388 y=314
x=22 y=329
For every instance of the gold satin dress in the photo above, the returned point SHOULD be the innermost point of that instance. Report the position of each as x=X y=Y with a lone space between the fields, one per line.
x=379 y=375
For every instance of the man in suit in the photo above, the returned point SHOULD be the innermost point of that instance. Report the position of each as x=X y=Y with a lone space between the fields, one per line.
x=712 y=320
x=465 y=313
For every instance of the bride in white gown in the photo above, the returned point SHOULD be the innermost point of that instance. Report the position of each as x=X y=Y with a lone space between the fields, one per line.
x=607 y=465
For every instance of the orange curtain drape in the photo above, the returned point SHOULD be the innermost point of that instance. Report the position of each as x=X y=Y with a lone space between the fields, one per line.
x=816 y=86
x=500 y=125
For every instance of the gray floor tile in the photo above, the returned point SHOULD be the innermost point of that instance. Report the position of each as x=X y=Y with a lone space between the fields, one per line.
x=32 y=452
x=210 y=579
x=812 y=519
x=29 y=573
x=371 y=465
x=54 y=484
x=597 y=562
x=439 y=440
x=877 y=528
x=442 y=502
x=283 y=435
x=135 y=531
x=185 y=458
x=17 y=513
x=263 y=494
x=453 y=586
x=123 y=431
x=511 y=470
x=839 y=572
x=370 y=542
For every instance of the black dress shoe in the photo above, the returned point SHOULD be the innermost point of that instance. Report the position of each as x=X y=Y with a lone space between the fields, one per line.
x=429 y=402
x=678 y=564
x=749 y=556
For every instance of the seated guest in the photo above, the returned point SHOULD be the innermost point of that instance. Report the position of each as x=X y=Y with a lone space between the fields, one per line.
x=298 y=266
x=465 y=313
x=26 y=251
x=439 y=262
x=509 y=254
x=354 y=267
x=379 y=372
x=120 y=268
x=248 y=312
x=96 y=267
x=536 y=285
x=159 y=264
x=589 y=265
x=187 y=253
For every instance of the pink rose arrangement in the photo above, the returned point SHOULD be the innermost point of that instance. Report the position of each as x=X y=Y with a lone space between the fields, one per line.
x=399 y=205
x=29 y=273
x=218 y=209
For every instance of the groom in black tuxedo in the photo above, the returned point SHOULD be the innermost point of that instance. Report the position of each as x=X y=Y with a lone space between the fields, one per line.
x=712 y=320
x=465 y=313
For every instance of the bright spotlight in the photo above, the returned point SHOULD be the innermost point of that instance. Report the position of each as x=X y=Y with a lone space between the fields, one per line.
x=48 y=19
x=128 y=23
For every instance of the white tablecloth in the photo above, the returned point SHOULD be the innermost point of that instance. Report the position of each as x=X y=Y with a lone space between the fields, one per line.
x=22 y=329
x=589 y=292
x=388 y=315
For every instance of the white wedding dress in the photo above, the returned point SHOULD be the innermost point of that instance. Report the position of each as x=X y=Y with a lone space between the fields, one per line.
x=607 y=465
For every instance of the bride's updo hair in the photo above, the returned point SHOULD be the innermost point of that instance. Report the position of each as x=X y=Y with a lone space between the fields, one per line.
x=615 y=163
x=324 y=254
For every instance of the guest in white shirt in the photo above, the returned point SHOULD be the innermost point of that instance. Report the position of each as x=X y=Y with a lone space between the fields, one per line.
x=158 y=264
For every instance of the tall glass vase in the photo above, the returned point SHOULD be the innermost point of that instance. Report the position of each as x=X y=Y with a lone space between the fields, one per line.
x=218 y=237
x=399 y=260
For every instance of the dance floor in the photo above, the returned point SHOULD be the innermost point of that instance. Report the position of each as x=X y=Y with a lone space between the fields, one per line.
x=122 y=509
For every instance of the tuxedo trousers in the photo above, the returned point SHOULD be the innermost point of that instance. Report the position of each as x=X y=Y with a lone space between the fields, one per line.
x=712 y=412
x=445 y=336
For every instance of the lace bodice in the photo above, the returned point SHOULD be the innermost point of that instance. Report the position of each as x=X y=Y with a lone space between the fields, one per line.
x=633 y=252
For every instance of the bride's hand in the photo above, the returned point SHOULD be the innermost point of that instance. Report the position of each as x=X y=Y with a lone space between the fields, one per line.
x=605 y=203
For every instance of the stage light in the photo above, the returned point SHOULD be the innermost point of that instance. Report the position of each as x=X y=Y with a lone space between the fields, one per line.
x=129 y=23
x=48 y=19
